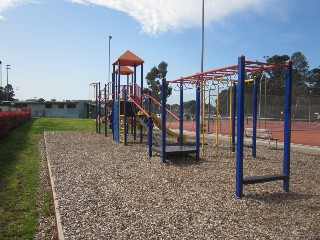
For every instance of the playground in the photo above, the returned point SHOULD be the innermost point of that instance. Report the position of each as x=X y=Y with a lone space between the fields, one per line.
x=109 y=191
x=111 y=184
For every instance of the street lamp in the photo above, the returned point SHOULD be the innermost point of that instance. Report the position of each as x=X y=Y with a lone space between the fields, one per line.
x=110 y=37
x=8 y=67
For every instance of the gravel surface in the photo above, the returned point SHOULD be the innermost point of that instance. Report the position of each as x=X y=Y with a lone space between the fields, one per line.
x=109 y=191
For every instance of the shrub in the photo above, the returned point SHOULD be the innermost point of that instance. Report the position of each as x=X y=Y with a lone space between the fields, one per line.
x=11 y=120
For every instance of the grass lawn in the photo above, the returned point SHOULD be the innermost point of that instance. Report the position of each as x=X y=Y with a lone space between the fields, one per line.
x=19 y=174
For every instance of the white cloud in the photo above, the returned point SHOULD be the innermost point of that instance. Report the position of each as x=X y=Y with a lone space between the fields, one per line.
x=159 y=16
x=6 y=4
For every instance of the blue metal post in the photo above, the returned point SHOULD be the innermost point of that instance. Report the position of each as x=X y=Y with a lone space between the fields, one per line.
x=240 y=125
x=141 y=99
x=134 y=97
x=149 y=127
x=181 y=117
x=99 y=110
x=234 y=104
x=254 y=118
x=113 y=98
x=287 y=126
x=105 y=111
x=198 y=90
x=119 y=75
x=97 y=127
x=133 y=119
x=163 y=113
x=124 y=116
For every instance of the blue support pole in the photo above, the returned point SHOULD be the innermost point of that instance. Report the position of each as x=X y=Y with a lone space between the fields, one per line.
x=234 y=104
x=254 y=118
x=105 y=112
x=99 y=110
x=97 y=127
x=133 y=119
x=149 y=127
x=181 y=117
x=163 y=118
x=141 y=98
x=240 y=126
x=198 y=90
x=134 y=97
x=118 y=85
x=113 y=98
x=124 y=116
x=287 y=126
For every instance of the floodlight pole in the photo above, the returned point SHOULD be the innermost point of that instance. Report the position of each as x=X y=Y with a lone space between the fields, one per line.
x=0 y=74
x=202 y=50
x=202 y=36
x=8 y=67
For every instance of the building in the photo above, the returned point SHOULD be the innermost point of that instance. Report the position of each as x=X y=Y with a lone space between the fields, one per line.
x=54 y=109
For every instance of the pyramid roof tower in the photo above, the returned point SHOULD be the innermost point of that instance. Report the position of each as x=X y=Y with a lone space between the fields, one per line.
x=129 y=59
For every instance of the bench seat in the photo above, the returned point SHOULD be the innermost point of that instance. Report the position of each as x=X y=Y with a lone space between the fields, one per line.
x=261 y=134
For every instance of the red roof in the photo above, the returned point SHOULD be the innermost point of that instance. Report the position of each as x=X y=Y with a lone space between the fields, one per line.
x=124 y=70
x=129 y=59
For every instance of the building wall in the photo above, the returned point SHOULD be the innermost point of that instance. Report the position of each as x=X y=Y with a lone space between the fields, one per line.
x=76 y=109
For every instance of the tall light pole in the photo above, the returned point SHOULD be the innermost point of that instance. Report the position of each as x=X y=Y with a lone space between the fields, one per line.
x=202 y=36
x=110 y=37
x=202 y=50
x=0 y=74
x=8 y=67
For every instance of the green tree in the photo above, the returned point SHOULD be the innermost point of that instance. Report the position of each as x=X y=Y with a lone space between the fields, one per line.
x=190 y=107
x=7 y=93
x=276 y=76
x=300 y=73
x=154 y=81
x=300 y=68
x=2 y=95
x=314 y=81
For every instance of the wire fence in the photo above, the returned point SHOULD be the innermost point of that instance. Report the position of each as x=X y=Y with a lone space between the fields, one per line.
x=305 y=111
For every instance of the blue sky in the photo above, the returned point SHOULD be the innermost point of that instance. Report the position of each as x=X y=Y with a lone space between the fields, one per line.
x=56 y=48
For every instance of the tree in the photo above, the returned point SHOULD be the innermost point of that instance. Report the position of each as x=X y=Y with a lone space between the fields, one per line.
x=314 y=81
x=41 y=100
x=190 y=107
x=154 y=79
x=300 y=72
x=300 y=68
x=2 y=95
x=7 y=93
x=276 y=76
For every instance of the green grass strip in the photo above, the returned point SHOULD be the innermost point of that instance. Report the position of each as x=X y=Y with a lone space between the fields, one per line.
x=19 y=174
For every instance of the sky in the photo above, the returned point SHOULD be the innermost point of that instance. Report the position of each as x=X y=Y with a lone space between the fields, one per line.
x=56 y=48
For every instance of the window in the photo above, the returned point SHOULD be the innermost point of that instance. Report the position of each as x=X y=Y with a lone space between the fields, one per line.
x=71 y=105
x=48 y=105
x=60 y=105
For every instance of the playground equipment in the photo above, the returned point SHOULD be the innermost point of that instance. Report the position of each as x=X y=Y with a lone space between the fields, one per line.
x=126 y=103
x=241 y=69
x=132 y=94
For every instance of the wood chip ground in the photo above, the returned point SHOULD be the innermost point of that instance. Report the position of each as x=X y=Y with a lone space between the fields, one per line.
x=109 y=191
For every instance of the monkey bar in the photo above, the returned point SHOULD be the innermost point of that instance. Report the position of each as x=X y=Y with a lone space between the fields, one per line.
x=240 y=70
